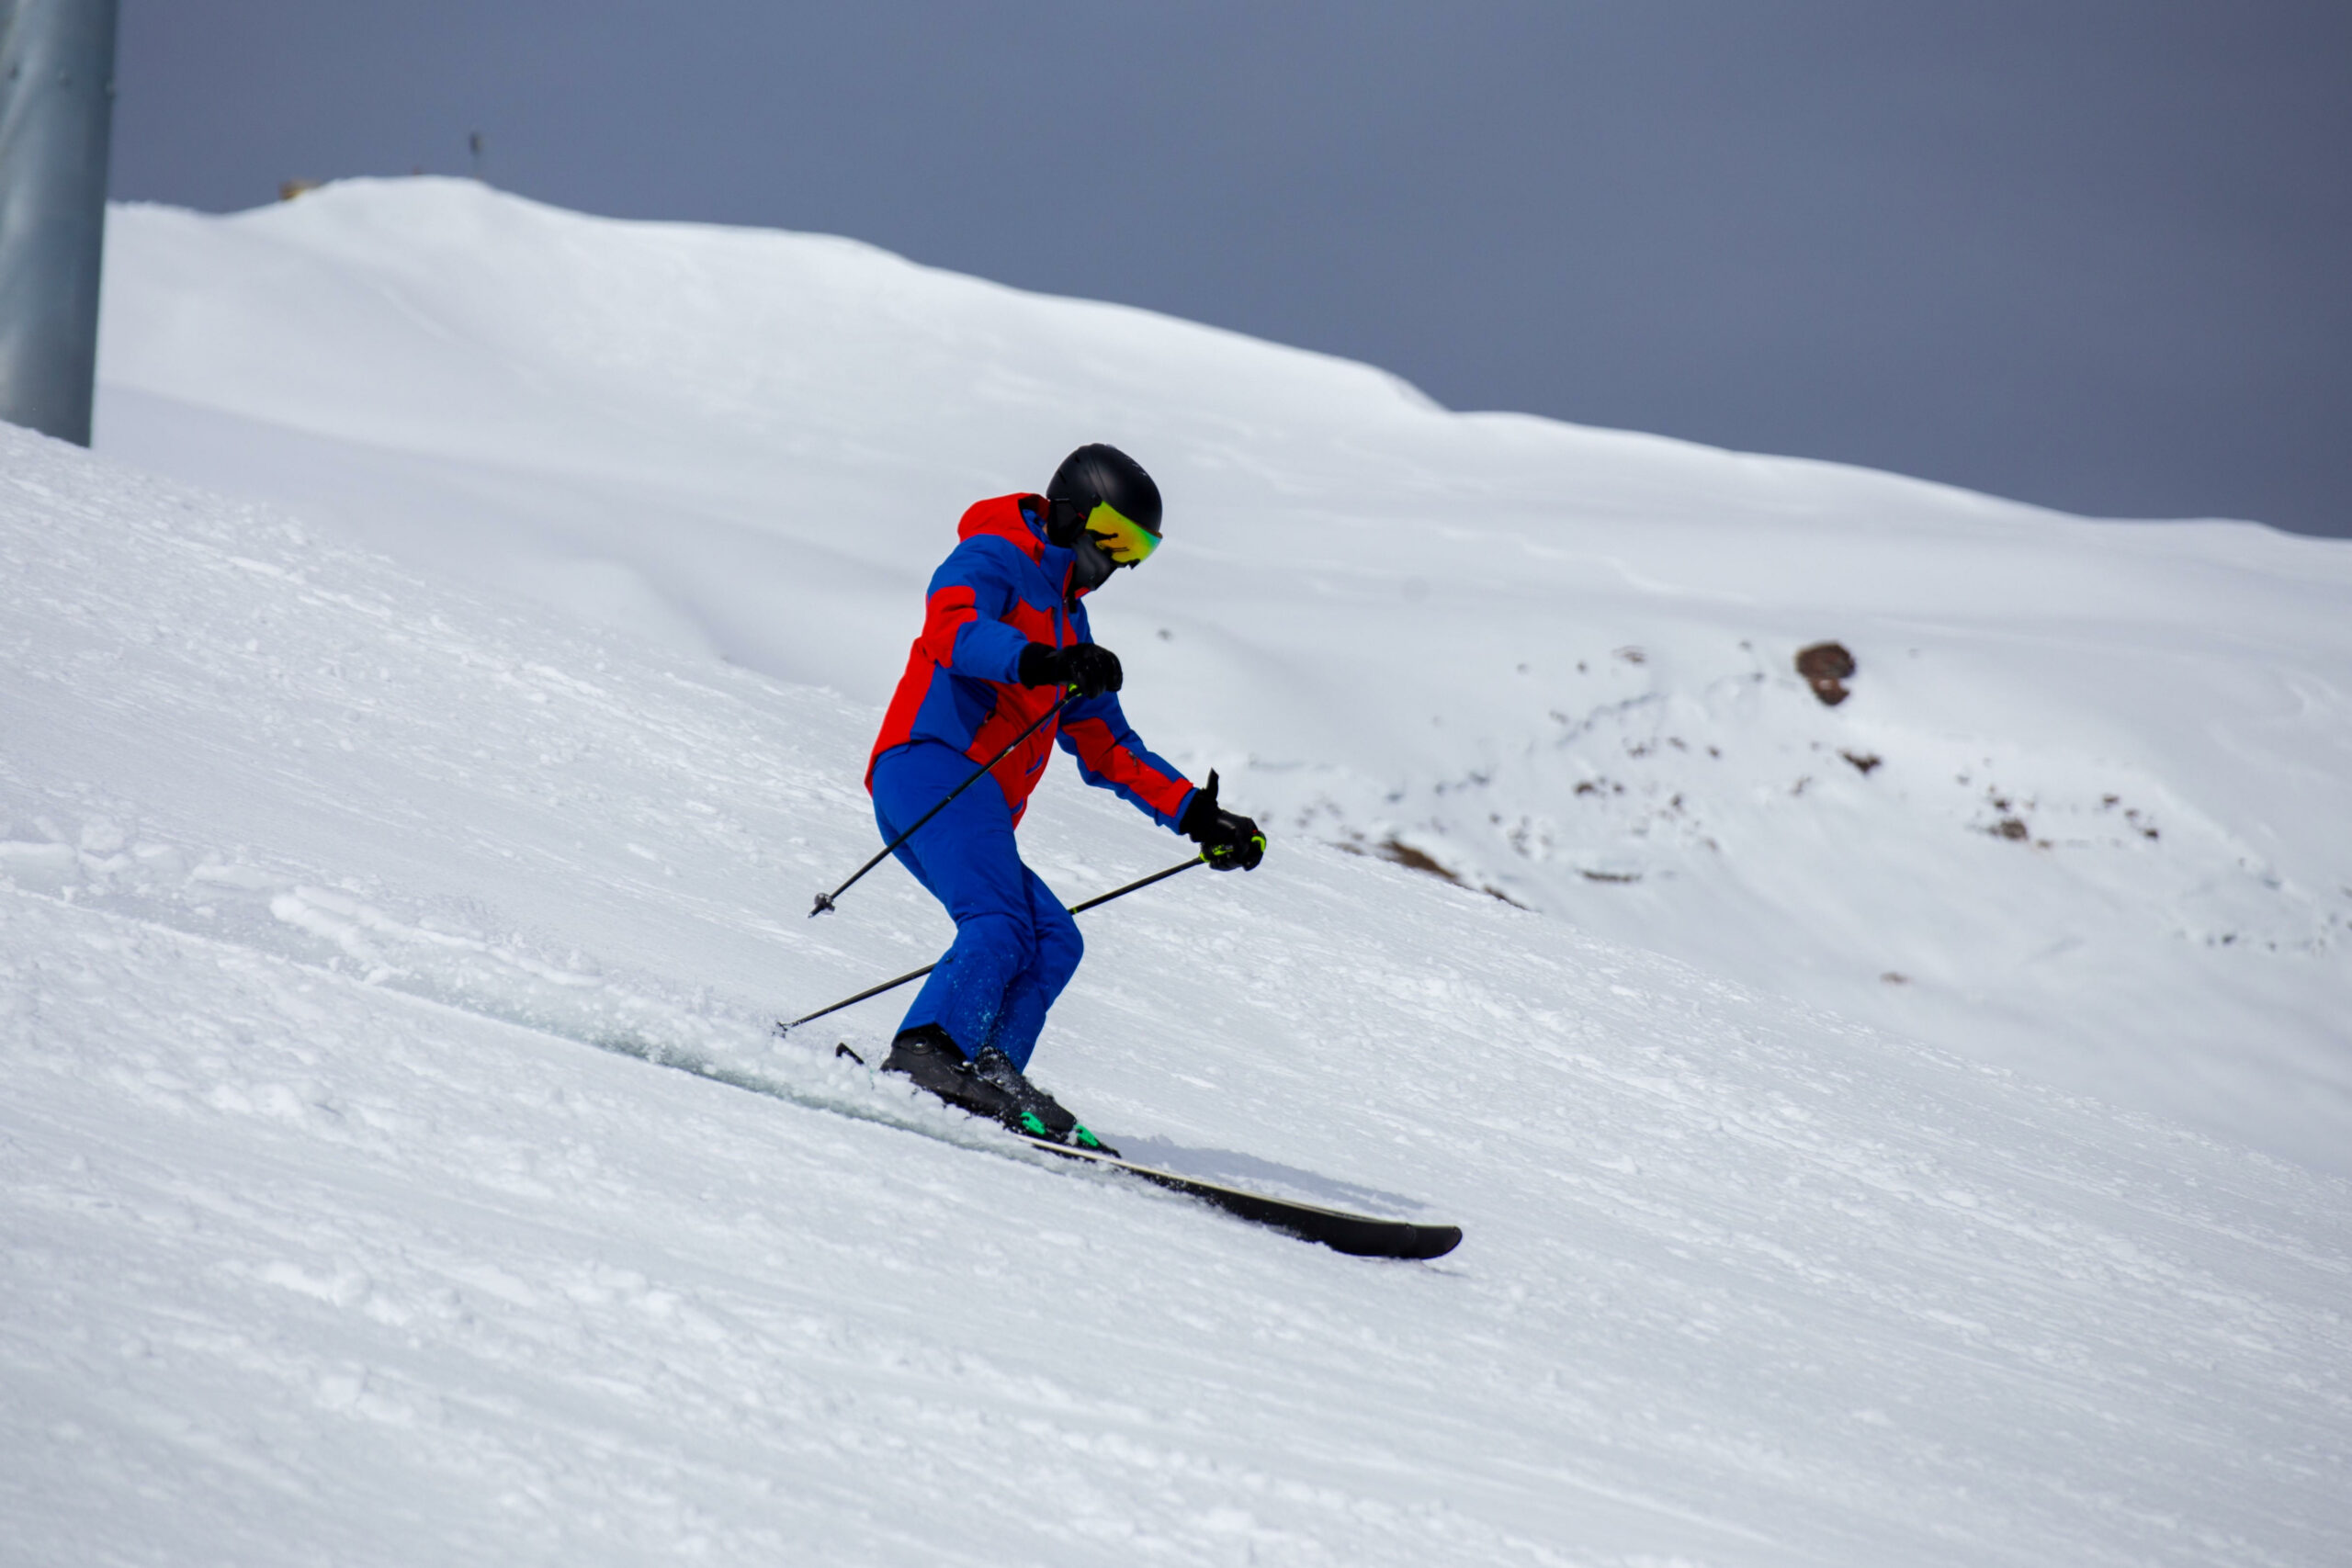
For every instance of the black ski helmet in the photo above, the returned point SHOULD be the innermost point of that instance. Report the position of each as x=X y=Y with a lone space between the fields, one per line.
x=1097 y=473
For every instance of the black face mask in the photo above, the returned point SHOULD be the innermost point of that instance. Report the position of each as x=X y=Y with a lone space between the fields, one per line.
x=1090 y=568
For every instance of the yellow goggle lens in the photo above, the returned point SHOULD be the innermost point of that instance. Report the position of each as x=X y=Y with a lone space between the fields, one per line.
x=1122 y=538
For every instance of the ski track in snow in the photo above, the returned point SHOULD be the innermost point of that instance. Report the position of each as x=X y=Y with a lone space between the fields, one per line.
x=327 y=1237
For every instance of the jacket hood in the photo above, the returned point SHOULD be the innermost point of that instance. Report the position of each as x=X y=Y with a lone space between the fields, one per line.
x=1008 y=517
x=1004 y=516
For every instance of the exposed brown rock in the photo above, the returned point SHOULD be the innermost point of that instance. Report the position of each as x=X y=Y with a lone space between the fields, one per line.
x=1826 y=667
x=1398 y=853
x=1406 y=855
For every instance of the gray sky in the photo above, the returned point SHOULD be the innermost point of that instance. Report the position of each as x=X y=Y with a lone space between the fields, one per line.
x=2089 y=253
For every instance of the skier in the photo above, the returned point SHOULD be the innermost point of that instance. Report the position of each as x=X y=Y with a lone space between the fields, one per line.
x=1004 y=643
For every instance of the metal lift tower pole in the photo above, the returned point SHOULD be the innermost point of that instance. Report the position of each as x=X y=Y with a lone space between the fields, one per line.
x=56 y=109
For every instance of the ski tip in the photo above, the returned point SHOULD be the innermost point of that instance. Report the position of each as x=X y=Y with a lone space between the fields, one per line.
x=1356 y=1236
x=1434 y=1241
x=1362 y=1236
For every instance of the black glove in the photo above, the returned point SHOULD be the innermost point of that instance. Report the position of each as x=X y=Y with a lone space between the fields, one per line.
x=1091 y=670
x=1228 y=842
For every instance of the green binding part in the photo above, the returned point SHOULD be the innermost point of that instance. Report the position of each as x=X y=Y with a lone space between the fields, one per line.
x=1079 y=1133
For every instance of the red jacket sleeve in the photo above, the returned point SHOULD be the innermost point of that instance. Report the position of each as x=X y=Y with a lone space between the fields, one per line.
x=1111 y=756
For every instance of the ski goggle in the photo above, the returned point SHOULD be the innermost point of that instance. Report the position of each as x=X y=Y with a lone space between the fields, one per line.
x=1122 y=538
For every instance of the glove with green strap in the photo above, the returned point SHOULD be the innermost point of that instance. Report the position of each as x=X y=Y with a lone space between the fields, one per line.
x=1228 y=841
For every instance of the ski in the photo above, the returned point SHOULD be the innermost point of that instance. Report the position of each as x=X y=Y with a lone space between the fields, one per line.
x=1358 y=1235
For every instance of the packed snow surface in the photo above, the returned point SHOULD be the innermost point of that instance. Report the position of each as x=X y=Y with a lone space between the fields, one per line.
x=348 y=1218
x=2084 y=814
x=398 y=1167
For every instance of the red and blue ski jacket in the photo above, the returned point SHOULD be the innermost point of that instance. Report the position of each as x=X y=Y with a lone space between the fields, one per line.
x=1003 y=588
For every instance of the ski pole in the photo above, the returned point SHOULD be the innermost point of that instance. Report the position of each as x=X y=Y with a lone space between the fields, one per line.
x=825 y=901
x=918 y=974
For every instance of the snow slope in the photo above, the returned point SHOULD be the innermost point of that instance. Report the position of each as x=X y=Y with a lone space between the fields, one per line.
x=345 y=1218
x=2103 y=841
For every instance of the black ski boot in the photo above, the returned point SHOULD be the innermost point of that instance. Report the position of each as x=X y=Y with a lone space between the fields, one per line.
x=937 y=1066
x=1035 y=1112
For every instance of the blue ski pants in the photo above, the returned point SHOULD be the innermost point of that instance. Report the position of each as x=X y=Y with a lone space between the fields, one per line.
x=1015 y=946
